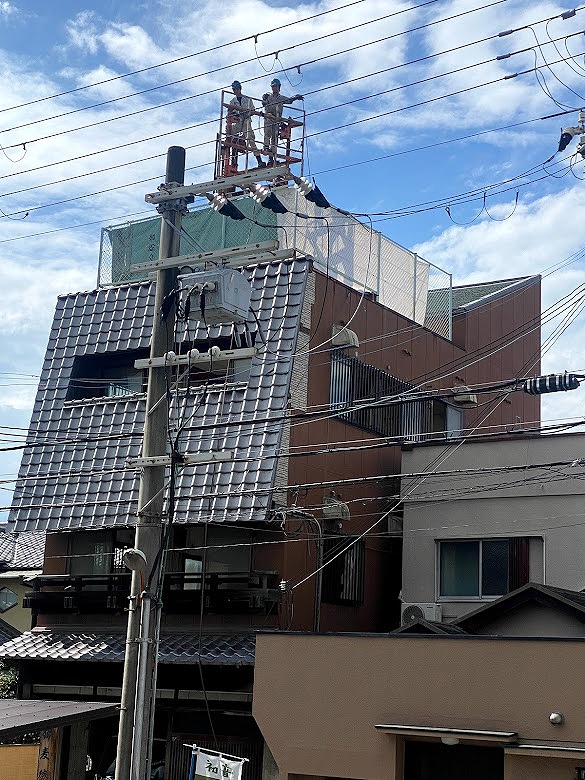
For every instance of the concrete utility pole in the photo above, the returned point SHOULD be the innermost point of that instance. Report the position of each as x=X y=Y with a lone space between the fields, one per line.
x=150 y=504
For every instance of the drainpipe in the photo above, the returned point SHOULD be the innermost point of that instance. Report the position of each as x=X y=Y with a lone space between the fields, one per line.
x=319 y=578
x=311 y=519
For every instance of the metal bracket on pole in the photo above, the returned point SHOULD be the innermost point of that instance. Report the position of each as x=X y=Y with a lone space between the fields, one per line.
x=186 y=459
x=193 y=360
x=234 y=257
x=262 y=257
x=227 y=253
x=242 y=180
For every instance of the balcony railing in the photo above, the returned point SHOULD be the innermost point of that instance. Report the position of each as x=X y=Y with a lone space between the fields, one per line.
x=225 y=593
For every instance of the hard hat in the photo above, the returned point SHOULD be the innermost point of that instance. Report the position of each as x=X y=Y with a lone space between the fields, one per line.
x=236 y=84
x=275 y=83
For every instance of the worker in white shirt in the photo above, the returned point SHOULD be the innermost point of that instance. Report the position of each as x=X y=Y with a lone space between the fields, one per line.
x=273 y=103
x=240 y=112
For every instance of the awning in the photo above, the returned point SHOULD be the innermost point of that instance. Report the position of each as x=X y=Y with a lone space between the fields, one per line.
x=476 y=735
x=18 y=716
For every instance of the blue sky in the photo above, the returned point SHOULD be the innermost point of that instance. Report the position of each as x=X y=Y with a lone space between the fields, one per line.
x=381 y=137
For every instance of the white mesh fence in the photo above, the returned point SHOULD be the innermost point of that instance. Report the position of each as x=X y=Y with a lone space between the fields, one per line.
x=365 y=259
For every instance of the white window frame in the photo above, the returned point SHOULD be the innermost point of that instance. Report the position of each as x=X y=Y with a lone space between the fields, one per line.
x=480 y=597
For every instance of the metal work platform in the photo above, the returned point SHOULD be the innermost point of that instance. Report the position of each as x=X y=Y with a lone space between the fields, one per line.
x=234 y=153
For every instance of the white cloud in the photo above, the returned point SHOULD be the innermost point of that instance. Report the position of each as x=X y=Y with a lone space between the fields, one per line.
x=540 y=233
x=538 y=236
x=83 y=31
x=8 y=10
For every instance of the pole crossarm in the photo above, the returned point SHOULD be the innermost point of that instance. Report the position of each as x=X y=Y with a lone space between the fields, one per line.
x=217 y=256
x=223 y=259
x=185 y=460
x=190 y=360
x=242 y=180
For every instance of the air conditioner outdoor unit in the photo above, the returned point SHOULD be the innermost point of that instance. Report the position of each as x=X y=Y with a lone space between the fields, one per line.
x=413 y=612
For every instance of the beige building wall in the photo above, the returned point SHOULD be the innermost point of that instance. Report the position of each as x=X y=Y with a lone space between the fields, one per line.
x=318 y=699
x=526 y=768
x=545 y=504
x=19 y=762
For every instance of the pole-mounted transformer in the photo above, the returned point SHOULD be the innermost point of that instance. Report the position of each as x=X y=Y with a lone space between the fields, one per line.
x=553 y=383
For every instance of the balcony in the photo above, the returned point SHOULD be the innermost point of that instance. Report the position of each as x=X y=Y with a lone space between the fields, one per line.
x=237 y=593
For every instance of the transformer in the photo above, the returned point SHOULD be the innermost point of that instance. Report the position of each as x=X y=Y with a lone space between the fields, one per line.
x=219 y=295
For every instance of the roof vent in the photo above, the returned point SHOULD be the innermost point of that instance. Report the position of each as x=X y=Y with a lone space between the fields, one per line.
x=344 y=337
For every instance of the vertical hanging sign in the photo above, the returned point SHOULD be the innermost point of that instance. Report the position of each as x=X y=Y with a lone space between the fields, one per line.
x=47 y=755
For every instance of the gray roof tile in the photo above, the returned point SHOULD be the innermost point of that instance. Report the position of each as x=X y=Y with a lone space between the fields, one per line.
x=216 y=649
x=20 y=552
x=99 y=435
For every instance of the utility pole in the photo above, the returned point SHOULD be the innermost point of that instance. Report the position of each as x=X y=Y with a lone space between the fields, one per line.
x=148 y=535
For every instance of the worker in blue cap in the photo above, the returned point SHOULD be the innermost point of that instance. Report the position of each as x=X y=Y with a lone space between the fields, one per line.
x=273 y=103
x=241 y=110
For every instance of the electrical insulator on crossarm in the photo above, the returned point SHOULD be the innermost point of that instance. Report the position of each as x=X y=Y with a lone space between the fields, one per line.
x=568 y=133
x=552 y=383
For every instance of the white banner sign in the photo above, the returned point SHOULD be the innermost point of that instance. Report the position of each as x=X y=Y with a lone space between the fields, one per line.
x=217 y=767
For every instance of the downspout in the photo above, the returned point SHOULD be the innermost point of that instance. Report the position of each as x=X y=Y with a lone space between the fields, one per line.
x=319 y=578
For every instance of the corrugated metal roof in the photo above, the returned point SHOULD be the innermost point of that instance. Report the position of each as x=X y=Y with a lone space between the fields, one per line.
x=216 y=649
x=85 y=444
x=17 y=716
x=21 y=552
x=467 y=294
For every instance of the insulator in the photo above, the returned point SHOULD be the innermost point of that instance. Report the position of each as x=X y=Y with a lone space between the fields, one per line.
x=553 y=383
x=303 y=185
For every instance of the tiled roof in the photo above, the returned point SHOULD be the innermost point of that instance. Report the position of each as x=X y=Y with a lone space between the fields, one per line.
x=567 y=601
x=216 y=649
x=91 y=487
x=7 y=632
x=19 y=552
x=6 y=548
